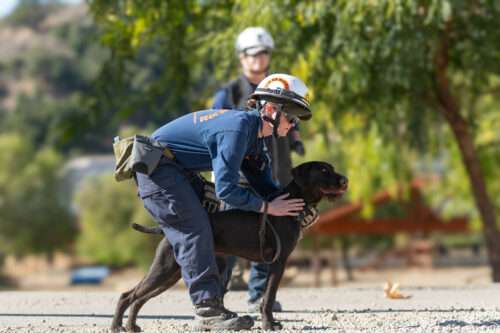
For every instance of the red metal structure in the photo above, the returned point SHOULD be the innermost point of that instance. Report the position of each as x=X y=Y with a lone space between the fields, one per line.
x=417 y=218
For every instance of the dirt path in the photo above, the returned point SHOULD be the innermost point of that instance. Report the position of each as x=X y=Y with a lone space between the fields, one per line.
x=345 y=309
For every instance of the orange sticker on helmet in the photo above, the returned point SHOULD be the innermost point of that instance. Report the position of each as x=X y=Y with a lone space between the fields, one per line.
x=281 y=80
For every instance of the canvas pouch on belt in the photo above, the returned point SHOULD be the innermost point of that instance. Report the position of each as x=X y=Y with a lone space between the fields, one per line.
x=137 y=153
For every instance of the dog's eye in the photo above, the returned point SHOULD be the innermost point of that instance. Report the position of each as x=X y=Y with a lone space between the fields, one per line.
x=324 y=170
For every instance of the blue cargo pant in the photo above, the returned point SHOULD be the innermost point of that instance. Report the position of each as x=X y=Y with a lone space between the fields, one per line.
x=174 y=204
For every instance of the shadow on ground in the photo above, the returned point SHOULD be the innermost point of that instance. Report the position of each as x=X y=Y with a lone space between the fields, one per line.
x=91 y=315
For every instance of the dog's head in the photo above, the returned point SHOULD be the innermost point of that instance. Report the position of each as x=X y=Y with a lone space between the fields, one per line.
x=317 y=180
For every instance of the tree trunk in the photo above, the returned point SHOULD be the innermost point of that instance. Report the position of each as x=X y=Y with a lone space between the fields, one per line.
x=49 y=256
x=450 y=110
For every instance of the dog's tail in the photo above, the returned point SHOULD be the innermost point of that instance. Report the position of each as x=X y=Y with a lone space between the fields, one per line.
x=147 y=230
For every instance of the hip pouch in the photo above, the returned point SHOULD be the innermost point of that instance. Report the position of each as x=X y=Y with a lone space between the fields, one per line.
x=137 y=153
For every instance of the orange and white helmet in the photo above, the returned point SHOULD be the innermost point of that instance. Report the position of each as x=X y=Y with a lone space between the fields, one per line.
x=287 y=90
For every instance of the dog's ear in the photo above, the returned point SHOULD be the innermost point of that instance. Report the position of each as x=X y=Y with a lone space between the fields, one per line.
x=299 y=174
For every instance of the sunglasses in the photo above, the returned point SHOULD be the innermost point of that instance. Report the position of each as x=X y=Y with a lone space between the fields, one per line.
x=263 y=52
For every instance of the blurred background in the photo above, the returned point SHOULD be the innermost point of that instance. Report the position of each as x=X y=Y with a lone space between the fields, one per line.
x=405 y=97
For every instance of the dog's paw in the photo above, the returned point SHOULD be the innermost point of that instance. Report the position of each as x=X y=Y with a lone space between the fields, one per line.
x=134 y=328
x=272 y=325
x=118 y=329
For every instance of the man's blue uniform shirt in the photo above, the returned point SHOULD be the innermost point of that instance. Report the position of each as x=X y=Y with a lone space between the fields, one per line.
x=220 y=140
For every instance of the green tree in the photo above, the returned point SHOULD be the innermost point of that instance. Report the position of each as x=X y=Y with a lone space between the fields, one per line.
x=46 y=91
x=416 y=63
x=413 y=72
x=32 y=216
x=106 y=210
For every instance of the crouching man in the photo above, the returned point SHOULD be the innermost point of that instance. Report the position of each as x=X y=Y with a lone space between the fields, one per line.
x=225 y=142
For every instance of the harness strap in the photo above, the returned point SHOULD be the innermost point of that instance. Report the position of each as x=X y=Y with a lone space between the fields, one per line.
x=262 y=237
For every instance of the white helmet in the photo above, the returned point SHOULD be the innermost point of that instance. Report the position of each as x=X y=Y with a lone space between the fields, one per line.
x=287 y=90
x=254 y=40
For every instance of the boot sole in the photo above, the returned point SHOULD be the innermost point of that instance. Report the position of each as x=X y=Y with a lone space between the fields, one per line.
x=234 y=324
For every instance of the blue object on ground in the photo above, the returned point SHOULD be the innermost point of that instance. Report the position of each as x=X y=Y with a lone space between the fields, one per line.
x=89 y=275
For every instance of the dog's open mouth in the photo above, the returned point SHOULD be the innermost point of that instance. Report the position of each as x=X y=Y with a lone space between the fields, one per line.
x=333 y=193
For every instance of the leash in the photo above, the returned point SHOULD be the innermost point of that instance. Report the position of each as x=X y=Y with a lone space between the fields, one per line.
x=262 y=236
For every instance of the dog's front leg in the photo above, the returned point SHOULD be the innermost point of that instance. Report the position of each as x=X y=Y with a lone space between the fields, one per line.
x=275 y=274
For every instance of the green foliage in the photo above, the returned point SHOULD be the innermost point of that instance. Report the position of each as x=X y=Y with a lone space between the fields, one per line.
x=46 y=120
x=370 y=66
x=106 y=210
x=208 y=46
x=61 y=71
x=32 y=216
x=51 y=84
x=156 y=70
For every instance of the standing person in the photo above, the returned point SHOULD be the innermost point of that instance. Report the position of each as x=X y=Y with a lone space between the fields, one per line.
x=254 y=46
x=226 y=142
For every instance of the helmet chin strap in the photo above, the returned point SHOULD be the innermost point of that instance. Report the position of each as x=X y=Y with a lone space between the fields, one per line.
x=274 y=122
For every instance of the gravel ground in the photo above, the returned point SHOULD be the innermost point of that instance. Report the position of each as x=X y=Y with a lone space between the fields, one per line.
x=469 y=309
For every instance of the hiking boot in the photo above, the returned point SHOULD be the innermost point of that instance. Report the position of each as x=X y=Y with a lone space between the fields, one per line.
x=254 y=306
x=211 y=314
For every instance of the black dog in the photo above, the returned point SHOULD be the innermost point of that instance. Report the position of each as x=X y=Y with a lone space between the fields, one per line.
x=236 y=233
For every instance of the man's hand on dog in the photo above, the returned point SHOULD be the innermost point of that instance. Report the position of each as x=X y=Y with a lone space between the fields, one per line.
x=281 y=207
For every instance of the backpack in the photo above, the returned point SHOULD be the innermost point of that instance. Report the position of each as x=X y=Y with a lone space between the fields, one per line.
x=238 y=92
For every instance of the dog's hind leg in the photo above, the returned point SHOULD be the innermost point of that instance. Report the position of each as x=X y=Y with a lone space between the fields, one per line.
x=123 y=303
x=163 y=265
x=170 y=280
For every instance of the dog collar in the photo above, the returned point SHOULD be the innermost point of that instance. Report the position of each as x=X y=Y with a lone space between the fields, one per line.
x=307 y=217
